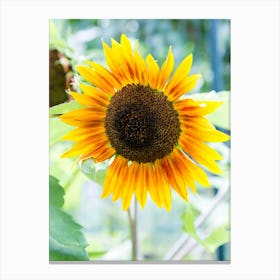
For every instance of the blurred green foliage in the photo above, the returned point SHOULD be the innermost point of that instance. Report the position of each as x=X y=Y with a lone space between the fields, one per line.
x=216 y=238
x=66 y=241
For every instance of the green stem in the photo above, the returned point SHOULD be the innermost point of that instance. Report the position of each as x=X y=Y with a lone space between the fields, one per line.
x=132 y=216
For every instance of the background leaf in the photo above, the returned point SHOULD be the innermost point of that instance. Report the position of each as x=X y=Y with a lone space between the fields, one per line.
x=95 y=171
x=221 y=117
x=97 y=254
x=188 y=224
x=57 y=130
x=65 y=107
x=68 y=173
x=218 y=237
x=56 y=193
x=66 y=241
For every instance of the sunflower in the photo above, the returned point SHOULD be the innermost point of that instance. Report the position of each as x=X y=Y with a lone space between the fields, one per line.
x=135 y=116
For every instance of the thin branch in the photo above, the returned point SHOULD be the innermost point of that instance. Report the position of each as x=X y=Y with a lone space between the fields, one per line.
x=177 y=251
x=191 y=245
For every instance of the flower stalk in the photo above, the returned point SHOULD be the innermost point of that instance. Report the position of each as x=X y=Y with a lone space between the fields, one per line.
x=133 y=221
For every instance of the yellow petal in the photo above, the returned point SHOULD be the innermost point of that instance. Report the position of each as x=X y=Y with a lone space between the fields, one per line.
x=207 y=107
x=203 y=159
x=94 y=93
x=112 y=176
x=128 y=185
x=153 y=71
x=122 y=177
x=166 y=70
x=106 y=74
x=181 y=162
x=93 y=77
x=162 y=184
x=184 y=87
x=99 y=154
x=104 y=154
x=82 y=123
x=87 y=115
x=201 y=129
x=152 y=184
x=86 y=100
x=186 y=142
x=180 y=74
x=196 y=123
x=128 y=55
x=110 y=60
x=121 y=63
x=198 y=174
x=83 y=132
x=208 y=135
x=189 y=107
x=174 y=176
x=141 y=69
x=89 y=145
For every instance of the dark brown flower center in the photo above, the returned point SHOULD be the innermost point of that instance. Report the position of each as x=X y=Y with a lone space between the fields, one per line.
x=142 y=124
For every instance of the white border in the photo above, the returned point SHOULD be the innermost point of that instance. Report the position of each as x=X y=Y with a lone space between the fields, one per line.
x=255 y=138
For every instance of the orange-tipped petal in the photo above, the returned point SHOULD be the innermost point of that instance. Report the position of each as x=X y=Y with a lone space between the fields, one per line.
x=81 y=133
x=112 y=179
x=129 y=185
x=94 y=93
x=106 y=74
x=180 y=74
x=174 y=176
x=86 y=100
x=191 y=108
x=162 y=184
x=96 y=79
x=153 y=71
x=184 y=87
x=152 y=184
x=166 y=70
x=140 y=185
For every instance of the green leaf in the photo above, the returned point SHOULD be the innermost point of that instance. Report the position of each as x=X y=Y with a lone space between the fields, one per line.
x=69 y=174
x=56 y=193
x=66 y=241
x=218 y=237
x=65 y=107
x=96 y=255
x=220 y=117
x=95 y=171
x=188 y=222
